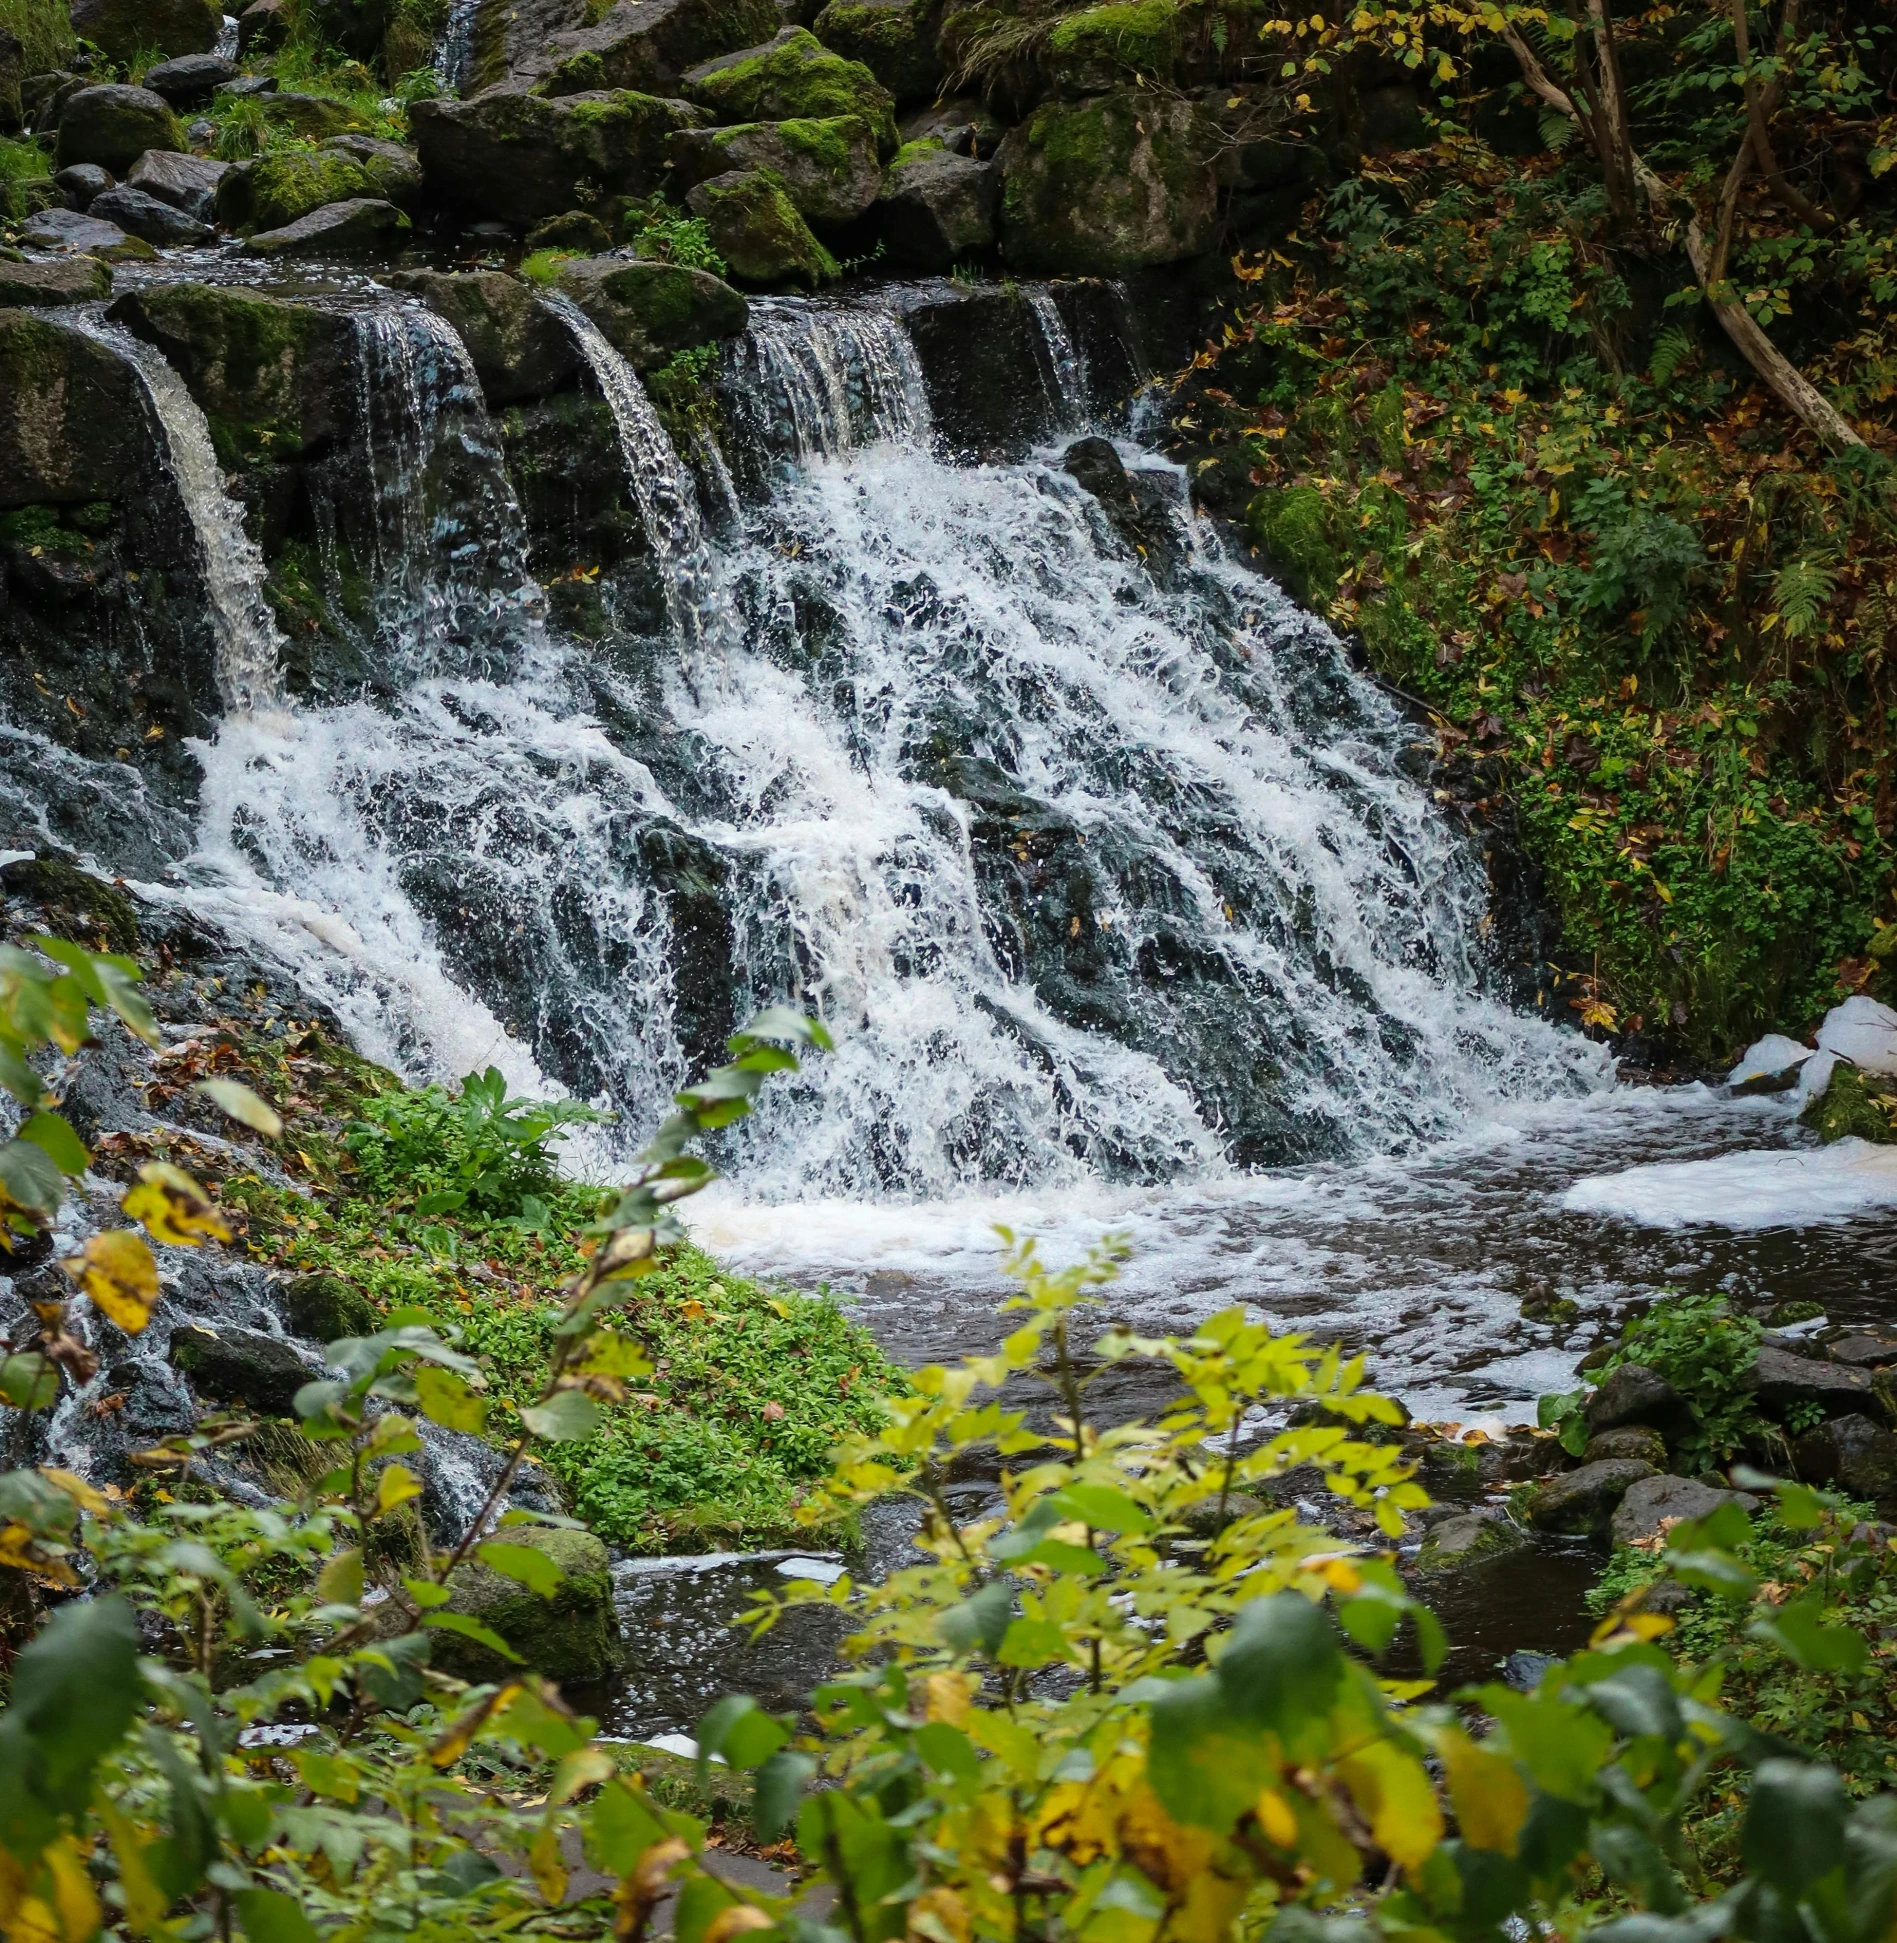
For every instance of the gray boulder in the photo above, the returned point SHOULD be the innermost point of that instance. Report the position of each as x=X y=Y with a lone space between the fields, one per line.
x=145 y=215
x=937 y=208
x=72 y=424
x=1868 y=1349
x=187 y=182
x=1634 y=1394
x=364 y=227
x=651 y=311
x=1781 y=1381
x=646 y=45
x=519 y=348
x=243 y=1366
x=1473 y=1538
x=53 y=281
x=520 y=159
x=1627 y=1440
x=894 y=39
x=755 y=227
x=124 y=28
x=190 y=81
x=1583 y=1501
x=1652 y=1503
x=113 y=126
x=80 y=183
x=828 y=168
x=86 y=235
x=1854 y=1455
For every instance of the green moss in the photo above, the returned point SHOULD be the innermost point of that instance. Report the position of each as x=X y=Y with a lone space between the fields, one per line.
x=290 y=184
x=42 y=527
x=823 y=141
x=579 y=73
x=1140 y=36
x=758 y=231
x=543 y=267
x=44 y=31
x=1850 y=1108
x=914 y=152
x=797 y=79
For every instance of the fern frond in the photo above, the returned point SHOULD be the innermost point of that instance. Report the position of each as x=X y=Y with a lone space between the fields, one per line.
x=1800 y=593
x=1675 y=349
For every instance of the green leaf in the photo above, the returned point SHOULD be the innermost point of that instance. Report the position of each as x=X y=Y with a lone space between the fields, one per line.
x=1282 y=1666
x=1202 y=1767
x=55 y=1138
x=753 y=1738
x=566 y=1417
x=711 y=1732
x=1801 y=1635
x=1563 y=1747
x=239 y=1103
x=979 y=1621
x=339 y=1583
x=459 y=1622
x=778 y=1789
x=269 y=1916
x=30 y=1179
x=75 y=1693
x=29 y=1381
x=1794 y=1825
x=426 y=1594
x=449 y=1400
x=525 y=1564
x=1639 y=1701
x=621 y=1827
x=444 y=1200
x=1104 y=1508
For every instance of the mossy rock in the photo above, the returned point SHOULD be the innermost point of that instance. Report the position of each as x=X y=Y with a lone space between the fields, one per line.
x=936 y=208
x=574 y=232
x=1119 y=182
x=793 y=78
x=325 y=1309
x=571 y=1635
x=312 y=117
x=123 y=28
x=894 y=39
x=48 y=282
x=520 y=350
x=1850 y=1108
x=1456 y=1544
x=755 y=227
x=647 y=44
x=73 y=431
x=277 y=189
x=273 y=377
x=828 y=167
x=1102 y=47
x=44 y=30
x=652 y=311
x=113 y=126
x=74 y=904
x=518 y=159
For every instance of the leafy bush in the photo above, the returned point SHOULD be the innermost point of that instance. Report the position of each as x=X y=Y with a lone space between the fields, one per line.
x=1705 y=1352
x=1648 y=561
x=482 y=1149
x=655 y=229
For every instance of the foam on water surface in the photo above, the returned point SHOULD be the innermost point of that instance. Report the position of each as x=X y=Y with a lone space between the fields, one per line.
x=1747 y=1189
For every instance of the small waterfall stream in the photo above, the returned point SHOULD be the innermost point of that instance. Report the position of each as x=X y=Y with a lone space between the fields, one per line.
x=1066 y=366
x=249 y=642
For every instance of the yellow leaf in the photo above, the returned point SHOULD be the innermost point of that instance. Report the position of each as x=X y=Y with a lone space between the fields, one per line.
x=74 y=1901
x=940 y=1916
x=735 y=1921
x=78 y=1490
x=547 y=1864
x=949 y=1696
x=232 y=1097
x=116 y=1270
x=1490 y=1797
x=396 y=1485
x=173 y=1207
x=1275 y=1818
x=585 y=1767
x=1393 y=1794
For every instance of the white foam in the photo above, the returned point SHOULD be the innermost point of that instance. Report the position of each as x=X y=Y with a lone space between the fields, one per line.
x=1747 y=1190
x=1772 y=1055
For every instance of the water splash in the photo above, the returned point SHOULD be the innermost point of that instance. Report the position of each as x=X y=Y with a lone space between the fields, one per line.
x=227 y=37
x=661 y=485
x=249 y=642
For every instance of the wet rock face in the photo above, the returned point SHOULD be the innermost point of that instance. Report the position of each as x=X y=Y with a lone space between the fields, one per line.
x=272 y=377
x=518 y=158
x=938 y=208
x=1651 y=1503
x=123 y=28
x=1783 y=1381
x=84 y=235
x=980 y=353
x=652 y=311
x=894 y=39
x=50 y=282
x=1634 y=1394
x=187 y=182
x=571 y=1635
x=242 y=1366
x=1135 y=503
x=1108 y=185
x=1852 y=1454
x=140 y=214
x=755 y=227
x=1474 y=1538
x=113 y=126
x=364 y=226
x=519 y=348
x=74 y=429
x=828 y=168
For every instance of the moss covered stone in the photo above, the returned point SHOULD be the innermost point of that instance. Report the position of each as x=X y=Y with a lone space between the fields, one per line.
x=571 y=1635
x=519 y=158
x=646 y=44
x=73 y=430
x=792 y=78
x=828 y=167
x=272 y=377
x=325 y=1308
x=44 y=30
x=894 y=39
x=51 y=281
x=113 y=126
x=937 y=208
x=652 y=311
x=277 y=189
x=312 y=117
x=73 y=903
x=755 y=227
x=1114 y=183
x=123 y=28
x=1103 y=46
x=1852 y=1107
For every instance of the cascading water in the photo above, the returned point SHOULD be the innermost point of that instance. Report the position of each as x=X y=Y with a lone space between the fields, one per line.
x=1066 y=366
x=454 y=50
x=249 y=642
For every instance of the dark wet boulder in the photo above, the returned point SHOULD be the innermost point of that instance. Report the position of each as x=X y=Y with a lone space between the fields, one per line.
x=1783 y=1381
x=828 y=168
x=1629 y=1440
x=520 y=159
x=519 y=348
x=245 y=1366
x=187 y=182
x=1852 y=1454
x=72 y=903
x=962 y=125
x=325 y=1308
x=191 y=80
x=574 y=232
x=1135 y=504
x=755 y=227
x=52 y=281
x=1584 y=1501
x=1470 y=1539
x=981 y=352
x=366 y=226
x=80 y=183
x=651 y=311
x=262 y=27
x=1097 y=48
x=72 y=420
x=276 y=190
x=390 y=170
x=793 y=77
x=113 y=126
x=274 y=378
x=139 y=214
x=1865 y=1349
x=1634 y=1394
x=83 y=235
x=570 y=1635
x=1518 y=1456
x=894 y=39
x=124 y=28
x=646 y=45
x=1116 y=183
x=937 y=208
x=1652 y=1503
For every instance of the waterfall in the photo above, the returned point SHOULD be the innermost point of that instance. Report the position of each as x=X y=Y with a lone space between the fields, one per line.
x=661 y=486
x=227 y=38
x=454 y=50
x=1067 y=369
x=249 y=642
x=449 y=548
x=815 y=381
